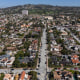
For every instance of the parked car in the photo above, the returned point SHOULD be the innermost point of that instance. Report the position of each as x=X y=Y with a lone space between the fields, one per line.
x=38 y=65
x=24 y=69
x=36 y=68
x=12 y=69
x=38 y=73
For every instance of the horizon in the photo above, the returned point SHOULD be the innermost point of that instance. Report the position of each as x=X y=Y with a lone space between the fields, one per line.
x=68 y=3
x=41 y=4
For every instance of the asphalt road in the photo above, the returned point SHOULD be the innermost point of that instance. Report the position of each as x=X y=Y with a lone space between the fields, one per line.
x=43 y=68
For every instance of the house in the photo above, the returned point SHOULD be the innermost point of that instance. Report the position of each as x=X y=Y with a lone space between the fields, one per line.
x=63 y=34
x=62 y=16
x=6 y=60
x=73 y=47
x=54 y=42
x=56 y=76
x=3 y=60
x=58 y=60
x=57 y=53
x=1 y=47
x=26 y=60
x=37 y=29
x=33 y=48
x=65 y=62
x=78 y=77
x=48 y=17
x=1 y=29
x=8 y=77
x=16 y=77
x=35 y=33
x=52 y=36
x=9 y=52
x=35 y=42
x=71 y=40
x=78 y=27
x=24 y=25
x=10 y=62
x=75 y=59
x=13 y=35
x=11 y=48
x=17 y=42
x=50 y=31
x=57 y=48
x=4 y=35
x=4 y=56
x=62 y=75
x=24 y=76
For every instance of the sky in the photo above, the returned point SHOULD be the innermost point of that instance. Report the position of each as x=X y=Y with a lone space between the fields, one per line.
x=8 y=3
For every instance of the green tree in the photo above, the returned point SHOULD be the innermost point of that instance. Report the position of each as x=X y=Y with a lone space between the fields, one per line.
x=19 y=54
x=33 y=74
x=16 y=63
x=2 y=76
x=2 y=53
x=51 y=76
x=23 y=65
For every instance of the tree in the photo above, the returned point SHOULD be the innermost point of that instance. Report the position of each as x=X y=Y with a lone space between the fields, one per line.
x=73 y=22
x=50 y=54
x=16 y=63
x=2 y=53
x=23 y=64
x=8 y=25
x=59 y=40
x=20 y=35
x=33 y=74
x=51 y=75
x=64 y=51
x=29 y=64
x=19 y=54
x=76 y=74
x=2 y=76
x=27 y=54
x=50 y=62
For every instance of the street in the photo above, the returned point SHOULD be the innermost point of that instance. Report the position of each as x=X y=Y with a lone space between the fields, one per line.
x=43 y=68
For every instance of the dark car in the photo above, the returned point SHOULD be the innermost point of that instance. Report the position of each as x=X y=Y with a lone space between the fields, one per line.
x=38 y=73
x=39 y=55
x=36 y=68
x=39 y=60
x=38 y=65
x=12 y=69
x=45 y=62
x=30 y=69
x=24 y=69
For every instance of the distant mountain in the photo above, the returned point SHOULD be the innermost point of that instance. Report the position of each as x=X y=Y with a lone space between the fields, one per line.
x=61 y=9
x=31 y=6
x=41 y=6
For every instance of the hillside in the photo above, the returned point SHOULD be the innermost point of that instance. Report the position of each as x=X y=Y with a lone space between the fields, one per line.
x=42 y=9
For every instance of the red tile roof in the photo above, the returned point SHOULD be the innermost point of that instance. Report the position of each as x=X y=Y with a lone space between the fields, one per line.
x=22 y=75
x=75 y=56
x=75 y=59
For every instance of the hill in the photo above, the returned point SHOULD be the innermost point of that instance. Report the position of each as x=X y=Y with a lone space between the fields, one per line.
x=42 y=9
